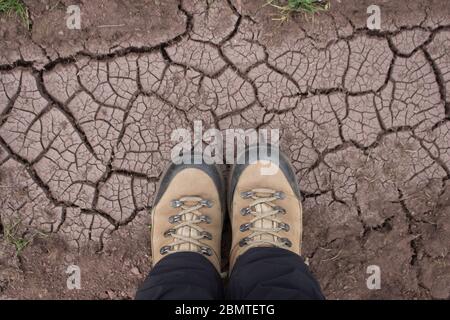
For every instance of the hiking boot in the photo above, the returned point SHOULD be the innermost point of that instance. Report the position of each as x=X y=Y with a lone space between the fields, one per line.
x=265 y=210
x=188 y=212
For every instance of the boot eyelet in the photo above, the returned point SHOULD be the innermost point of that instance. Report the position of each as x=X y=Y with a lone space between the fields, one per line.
x=176 y=203
x=279 y=195
x=245 y=227
x=206 y=251
x=284 y=226
x=165 y=249
x=244 y=242
x=205 y=218
x=169 y=232
x=206 y=235
x=246 y=194
x=206 y=203
x=174 y=219
x=286 y=242
x=280 y=209
x=246 y=211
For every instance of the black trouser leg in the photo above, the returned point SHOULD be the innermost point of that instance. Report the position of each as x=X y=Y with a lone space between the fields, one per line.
x=182 y=276
x=272 y=273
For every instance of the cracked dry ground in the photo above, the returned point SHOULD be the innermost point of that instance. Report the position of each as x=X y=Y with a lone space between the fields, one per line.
x=364 y=116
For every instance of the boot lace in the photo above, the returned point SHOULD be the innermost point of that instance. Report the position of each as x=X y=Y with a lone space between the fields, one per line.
x=189 y=218
x=264 y=209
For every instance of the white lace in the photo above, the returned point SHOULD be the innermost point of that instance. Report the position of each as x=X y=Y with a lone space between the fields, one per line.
x=265 y=199
x=189 y=205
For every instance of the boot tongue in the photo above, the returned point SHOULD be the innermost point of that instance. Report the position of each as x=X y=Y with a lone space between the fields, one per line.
x=187 y=232
x=264 y=223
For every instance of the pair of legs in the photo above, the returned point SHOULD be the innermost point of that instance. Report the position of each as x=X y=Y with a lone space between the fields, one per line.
x=263 y=202
x=259 y=274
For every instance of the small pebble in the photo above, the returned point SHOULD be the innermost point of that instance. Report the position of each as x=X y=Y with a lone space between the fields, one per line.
x=135 y=271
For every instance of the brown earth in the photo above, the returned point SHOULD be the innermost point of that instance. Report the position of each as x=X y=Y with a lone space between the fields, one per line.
x=86 y=117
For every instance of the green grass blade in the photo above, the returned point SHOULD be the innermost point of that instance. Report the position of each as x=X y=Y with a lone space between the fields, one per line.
x=16 y=7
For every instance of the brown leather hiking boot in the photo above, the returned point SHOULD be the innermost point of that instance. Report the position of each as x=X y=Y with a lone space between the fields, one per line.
x=265 y=210
x=188 y=212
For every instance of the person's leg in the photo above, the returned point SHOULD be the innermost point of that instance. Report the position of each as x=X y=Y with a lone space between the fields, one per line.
x=187 y=219
x=182 y=276
x=272 y=273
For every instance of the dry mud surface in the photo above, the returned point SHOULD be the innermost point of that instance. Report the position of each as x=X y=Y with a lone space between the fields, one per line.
x=86 y=118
